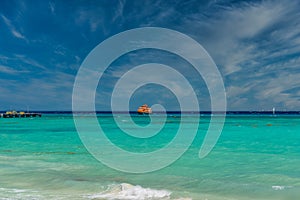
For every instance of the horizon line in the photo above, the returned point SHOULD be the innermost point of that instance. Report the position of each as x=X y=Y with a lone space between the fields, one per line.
x=171 y=111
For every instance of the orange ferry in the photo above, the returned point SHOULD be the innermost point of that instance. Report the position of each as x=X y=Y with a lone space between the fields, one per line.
x=144 y=109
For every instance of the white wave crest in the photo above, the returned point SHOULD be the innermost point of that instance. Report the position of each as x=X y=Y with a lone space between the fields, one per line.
x=18 y=194
x=125 y=191
x=280 y=187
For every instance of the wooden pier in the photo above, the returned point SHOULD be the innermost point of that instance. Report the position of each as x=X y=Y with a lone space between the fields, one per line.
x=14 y=114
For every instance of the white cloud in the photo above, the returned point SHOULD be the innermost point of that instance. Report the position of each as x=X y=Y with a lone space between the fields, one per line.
x=154 y=74
x=250 y=43
x=254 y=46
x=54 y=93
x=52 y=7
x=90 y=17
x=30 y=61
x=7 y=70
x=119 y=10
x=12 y=28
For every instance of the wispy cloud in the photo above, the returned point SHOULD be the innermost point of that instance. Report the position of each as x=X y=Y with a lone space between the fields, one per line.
x=30 y=61
x=52 y=7
x=10 y=70
x=53 y=93
x=119 y=11
x=255 y=46
x=12 y=28
x=237 y=34
x=89 y=17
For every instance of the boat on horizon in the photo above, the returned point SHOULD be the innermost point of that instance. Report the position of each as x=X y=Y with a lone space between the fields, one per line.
x=144 y=110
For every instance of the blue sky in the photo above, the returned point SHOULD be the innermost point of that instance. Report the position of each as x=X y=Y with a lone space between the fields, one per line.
x=255 y=45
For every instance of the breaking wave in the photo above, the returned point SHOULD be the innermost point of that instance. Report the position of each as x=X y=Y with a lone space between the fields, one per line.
x=125 y=191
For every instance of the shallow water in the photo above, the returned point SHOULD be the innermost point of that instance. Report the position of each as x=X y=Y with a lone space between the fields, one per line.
x=256 y=157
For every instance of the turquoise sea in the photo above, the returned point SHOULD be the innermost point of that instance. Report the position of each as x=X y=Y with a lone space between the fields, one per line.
x=256 y=157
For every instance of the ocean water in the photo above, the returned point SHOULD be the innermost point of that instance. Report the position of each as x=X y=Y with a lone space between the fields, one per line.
x=256 y=157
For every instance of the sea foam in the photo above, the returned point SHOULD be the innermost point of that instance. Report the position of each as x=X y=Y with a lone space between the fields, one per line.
x=125 y=191
x=18 y=194
x=280 y=187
